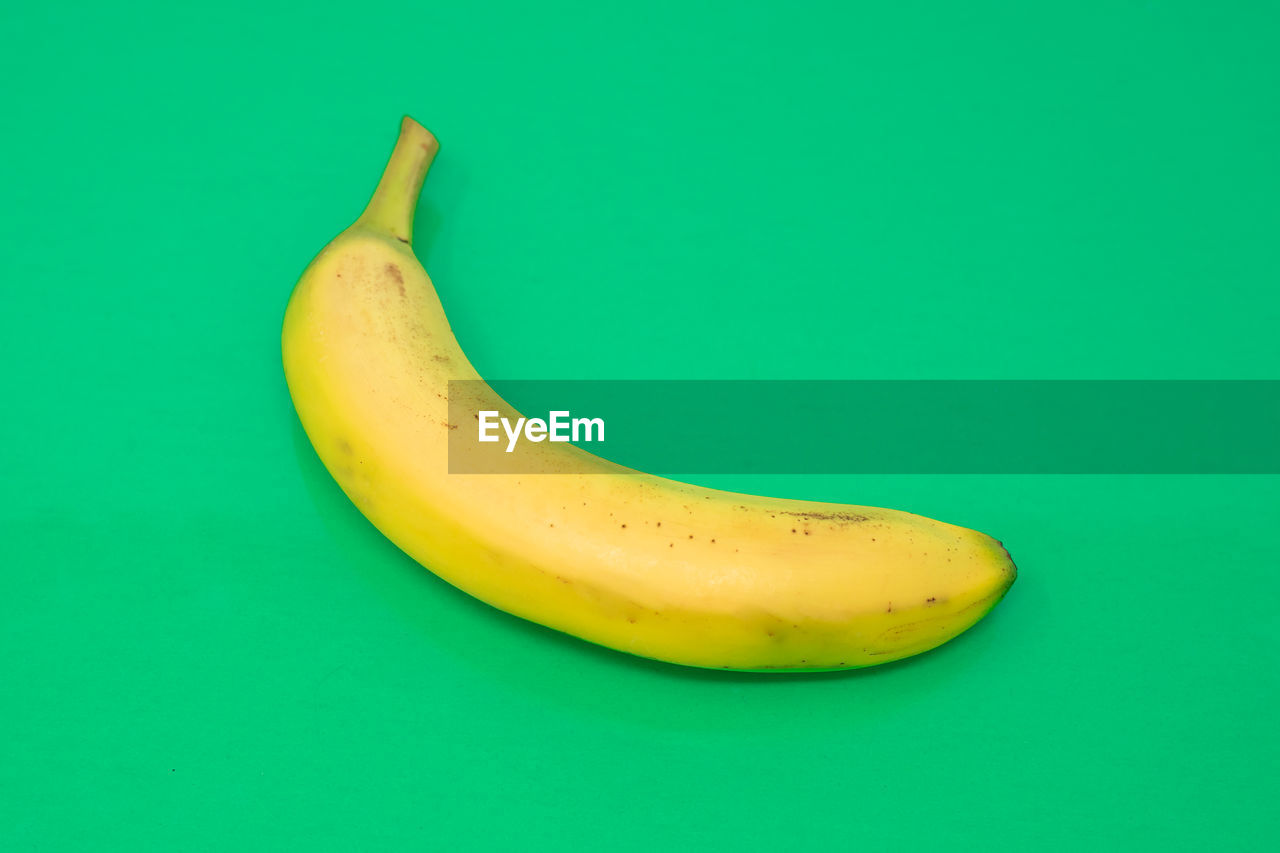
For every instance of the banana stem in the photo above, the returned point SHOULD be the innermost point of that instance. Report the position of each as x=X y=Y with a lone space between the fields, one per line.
x=391 y=208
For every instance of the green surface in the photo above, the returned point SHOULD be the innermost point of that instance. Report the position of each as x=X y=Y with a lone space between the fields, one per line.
x=205 y=647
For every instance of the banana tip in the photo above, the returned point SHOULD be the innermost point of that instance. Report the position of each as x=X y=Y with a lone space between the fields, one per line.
x=411 y=129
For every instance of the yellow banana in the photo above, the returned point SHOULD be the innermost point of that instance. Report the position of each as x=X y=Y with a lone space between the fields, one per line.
x=638 y=563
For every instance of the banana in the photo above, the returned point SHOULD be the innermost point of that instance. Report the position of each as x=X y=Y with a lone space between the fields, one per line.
x=634 y=562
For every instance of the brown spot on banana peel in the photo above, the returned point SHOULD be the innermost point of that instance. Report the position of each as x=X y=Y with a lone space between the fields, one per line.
x=851 y=517
x=899 y=637
x=394 y=272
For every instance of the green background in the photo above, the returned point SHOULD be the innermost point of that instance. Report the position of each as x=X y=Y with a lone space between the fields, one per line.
x=204 y=645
